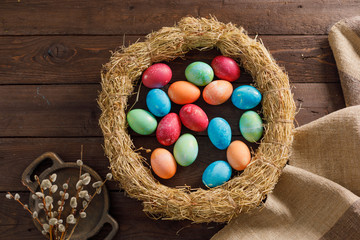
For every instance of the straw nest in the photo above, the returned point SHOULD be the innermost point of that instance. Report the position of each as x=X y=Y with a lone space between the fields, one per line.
x=242 y=193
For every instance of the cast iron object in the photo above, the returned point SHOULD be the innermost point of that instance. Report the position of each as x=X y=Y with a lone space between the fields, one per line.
x=97 y=212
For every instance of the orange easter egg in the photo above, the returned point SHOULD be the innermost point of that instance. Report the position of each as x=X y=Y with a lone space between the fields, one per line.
x=238 y=155
x=217 y=92
x=183 y=92
x=163 y=163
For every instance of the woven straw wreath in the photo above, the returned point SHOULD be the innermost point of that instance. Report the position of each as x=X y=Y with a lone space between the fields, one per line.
x=243 y=192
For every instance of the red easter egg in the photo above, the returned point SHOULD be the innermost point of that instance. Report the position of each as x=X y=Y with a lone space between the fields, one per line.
x=225 y=68
x=157 y=75
x=169 y=129
x=194 y=118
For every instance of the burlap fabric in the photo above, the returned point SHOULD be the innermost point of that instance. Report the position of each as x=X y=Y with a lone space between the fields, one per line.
x=317 y=195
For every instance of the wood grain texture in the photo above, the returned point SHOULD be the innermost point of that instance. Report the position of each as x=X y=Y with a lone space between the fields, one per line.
x=25 y=17
x=15 y=223
x=79 y=59
x=72 y=111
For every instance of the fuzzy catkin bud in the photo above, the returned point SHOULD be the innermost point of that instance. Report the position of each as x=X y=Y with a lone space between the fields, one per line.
x=35 y=214
x=70 y=219
x=73 y=202
x=84 y=203
x=65 y=186
x=61 y=228
x=41 y=205
x=53 y=188
x=17 y=196
x=60 y=221
x=79 y=162
x=97 y=184
x=45 y=184
x=109 y=176
x=83 y=193
x=86 y=180
x=46 y=227
x=8 y=196
x=39 y=194
x=84 y=176
x=43 y=232
x=79 y=184
x=59 y=202
x=26 y=206
x=33 y=196
x=53 y=177
x=98 y=191
x=61 y=193
x=48 y=200
x=53 y=221
x=83 y=214
x=66 y=196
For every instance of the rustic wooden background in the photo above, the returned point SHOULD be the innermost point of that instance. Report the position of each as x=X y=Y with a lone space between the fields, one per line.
x=51 y=53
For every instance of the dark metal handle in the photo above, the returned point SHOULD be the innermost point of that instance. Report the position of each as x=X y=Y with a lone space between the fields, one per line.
x=114 y=225
x=30 y=169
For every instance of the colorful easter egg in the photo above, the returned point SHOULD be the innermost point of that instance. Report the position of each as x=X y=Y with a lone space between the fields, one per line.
x=238 y=155
x=163 y=163
x=157 y=75
x=251 y=126
x=158 y=102
x=169 y=129
x=246 y=97
x=219 y=132
x=183 y=92
x=217 y=92
x=216 y=174
x=186 y=149
x=141 y=121
x=193 y=117
x=199 y=73
x=225 y=68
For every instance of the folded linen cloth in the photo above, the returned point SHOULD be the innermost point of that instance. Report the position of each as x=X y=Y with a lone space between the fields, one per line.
x=316 y=196
x=344 y=39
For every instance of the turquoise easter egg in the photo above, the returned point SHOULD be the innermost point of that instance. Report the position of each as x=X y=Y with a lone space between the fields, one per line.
x=199 y=73
x=158 y=102
x=219 y=132
x=216 y=174
x=186 y=150
x=141 y=121
x=251 y=126
x=246 y=97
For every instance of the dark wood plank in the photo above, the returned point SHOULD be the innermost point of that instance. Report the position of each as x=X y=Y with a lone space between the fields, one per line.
x=15 y=223
x=78 y=59
x=71 y=110
x=141 y=17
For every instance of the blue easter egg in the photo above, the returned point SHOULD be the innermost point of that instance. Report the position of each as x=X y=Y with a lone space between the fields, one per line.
x=199 y=73
x=251 y=126
x=246 y=97
x=219 y=132
x=216 y=174
x=158 y=102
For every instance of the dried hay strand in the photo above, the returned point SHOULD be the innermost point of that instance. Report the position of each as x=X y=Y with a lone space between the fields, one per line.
x=243 y=192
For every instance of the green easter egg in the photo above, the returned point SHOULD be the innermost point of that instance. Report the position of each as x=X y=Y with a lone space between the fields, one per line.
x=141 y=121
x=251 y=126
x=186 y=150
x=199 y=73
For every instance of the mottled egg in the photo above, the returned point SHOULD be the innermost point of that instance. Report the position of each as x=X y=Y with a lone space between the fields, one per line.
x=216 y=174
x=246 y=97
x=238 y=155
x=141 y=121
x=158 y=102
x=193 y=117
x=157 y=75
x=163 y=163
x=186 y=150
x=225 y=68
x=219 y=132
x=217 y=92
x=169 y=129
x=251 y=126
x=199 y=73
x=183 y=92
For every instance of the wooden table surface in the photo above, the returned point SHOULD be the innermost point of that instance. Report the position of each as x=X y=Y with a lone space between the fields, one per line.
x=51 y=54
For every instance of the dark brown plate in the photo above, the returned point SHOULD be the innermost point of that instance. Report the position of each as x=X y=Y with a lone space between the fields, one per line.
x=97 y=212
